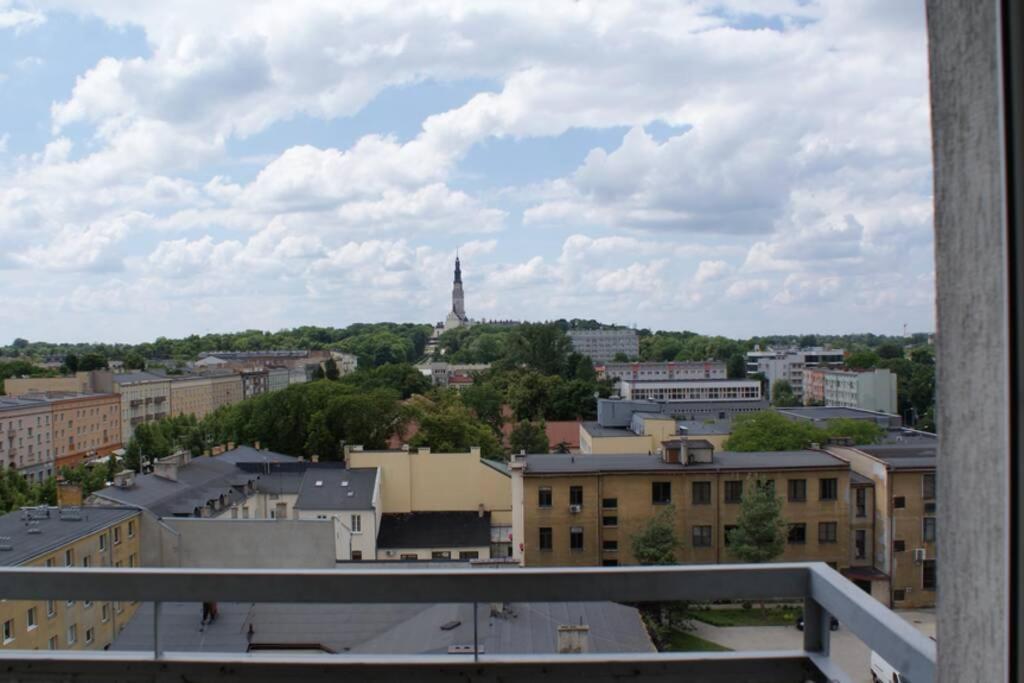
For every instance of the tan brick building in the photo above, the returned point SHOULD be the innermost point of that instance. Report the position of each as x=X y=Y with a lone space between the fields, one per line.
x=26 y=436
x=80 y=537
x=584 y=510
x=225 y=389
x=191 y=395
x=85 y=426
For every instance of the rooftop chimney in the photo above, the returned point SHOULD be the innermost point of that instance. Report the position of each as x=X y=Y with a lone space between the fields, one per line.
x=314 y=458
x=124 y=479
x=256 y=445
x=573 y=639
x=69 y=494
x=166 y=468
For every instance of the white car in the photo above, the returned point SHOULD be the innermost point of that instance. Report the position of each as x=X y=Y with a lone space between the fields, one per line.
x=882 y=671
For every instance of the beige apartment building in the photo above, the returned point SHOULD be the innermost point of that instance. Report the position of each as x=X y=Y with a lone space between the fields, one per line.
x=584 y=510
x=80 y=382
x=191 y=395
x=85 y=426
x=145 y=397
x=68 y=537
x=644 y=434
x=225 y=390
x=26 y=436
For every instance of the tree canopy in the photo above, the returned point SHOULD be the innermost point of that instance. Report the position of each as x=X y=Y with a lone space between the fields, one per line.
x=760 y=533
x=657 y=542
x=768 y=430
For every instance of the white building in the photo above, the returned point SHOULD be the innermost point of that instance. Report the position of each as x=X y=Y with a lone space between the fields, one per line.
x=351 y=499
x=603 y=345
x=683 y=390
x=789 y=364
x=870 y=390
x=705 y=369
x=347 y=362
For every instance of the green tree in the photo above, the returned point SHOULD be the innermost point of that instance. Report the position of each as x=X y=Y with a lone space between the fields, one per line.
x=861 y=431
x=485 y=401
x=620 y=357
x=889 y=350
x=92 y=361
x=402 y=378
x=736 y=366
x=767 y=430
x=540 y=347
x=760 y=533
x=331 y=371
x=318 y=373
x=657 y=542
x=446 y=426
x=20 y=343
x=529 y=437
x=863 y=360
x=782 y=394
x=71 y=362
x=134 y=361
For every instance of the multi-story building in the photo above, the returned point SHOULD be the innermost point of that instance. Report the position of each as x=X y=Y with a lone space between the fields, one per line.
x=245 y=360
x=585 y=510
x=711 y=369
x=789 y=364
x=441 y=373
x=85 y=426
x=254 y=382
x=80 y=382
x=225 y=389
x=870 y=390
x=347 y=362
x=26 y=436
x=350 y=499
x=67 y=537
x=277 y=379
x=643 y=434
x=145 y=397
x=191 y=395
x=603 y=345
x=690 y=390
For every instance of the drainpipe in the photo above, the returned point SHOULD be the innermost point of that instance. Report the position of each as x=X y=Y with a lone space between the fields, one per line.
x=718 y=521
x=600 y=525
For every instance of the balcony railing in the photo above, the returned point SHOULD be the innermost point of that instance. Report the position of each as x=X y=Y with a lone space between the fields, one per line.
x=824 y=591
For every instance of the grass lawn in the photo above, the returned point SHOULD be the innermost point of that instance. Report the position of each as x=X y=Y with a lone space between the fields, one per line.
x=684 y=641
x=773 y=616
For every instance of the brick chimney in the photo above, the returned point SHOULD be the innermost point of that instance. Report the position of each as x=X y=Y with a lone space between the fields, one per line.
x=573 y=639
x=69 y=494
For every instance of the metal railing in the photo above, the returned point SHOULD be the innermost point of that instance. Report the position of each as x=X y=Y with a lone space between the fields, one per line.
x=824 y=591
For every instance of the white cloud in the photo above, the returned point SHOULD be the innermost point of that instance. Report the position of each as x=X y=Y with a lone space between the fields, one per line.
x=20 y=20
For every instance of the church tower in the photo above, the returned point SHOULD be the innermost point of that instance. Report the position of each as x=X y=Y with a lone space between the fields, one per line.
x=457 y=314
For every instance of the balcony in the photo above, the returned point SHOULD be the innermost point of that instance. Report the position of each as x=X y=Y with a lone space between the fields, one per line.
x=822 y=589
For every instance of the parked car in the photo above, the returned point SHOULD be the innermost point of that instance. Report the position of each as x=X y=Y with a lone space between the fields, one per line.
x=833 y=624
x=882 y=671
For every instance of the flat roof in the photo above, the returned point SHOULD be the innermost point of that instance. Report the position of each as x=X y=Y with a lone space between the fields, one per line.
x=55 y=529
x=832 y=412
x=596 y=429
x=684 y=380
x=435 y=530
x=904 y=456
x=557 y=463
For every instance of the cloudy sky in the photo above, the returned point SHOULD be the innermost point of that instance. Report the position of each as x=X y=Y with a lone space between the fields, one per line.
x=734 y=166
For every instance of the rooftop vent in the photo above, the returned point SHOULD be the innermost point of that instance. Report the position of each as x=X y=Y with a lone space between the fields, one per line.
x=319 y=482
x=344 y=483
x=449 y=625
x=350 y=494
x=34 y=528
x=5 y=543
x=71 y=514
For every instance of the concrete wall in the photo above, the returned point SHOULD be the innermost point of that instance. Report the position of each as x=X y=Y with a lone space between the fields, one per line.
x=239 y=543
x=973 y=344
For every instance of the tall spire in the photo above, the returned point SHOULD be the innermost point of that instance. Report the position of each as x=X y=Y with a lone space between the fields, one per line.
x=458 y=270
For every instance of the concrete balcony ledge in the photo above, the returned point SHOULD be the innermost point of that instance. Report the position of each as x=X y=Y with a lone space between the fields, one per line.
x=824 y=591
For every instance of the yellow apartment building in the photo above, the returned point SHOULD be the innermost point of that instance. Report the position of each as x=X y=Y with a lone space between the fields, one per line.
x=80 y=382
x=68 y=537
x=85 y=426
x=644 y=434
x=26 y=436
x=225 y=389
x=191 y=395
x=584 y=510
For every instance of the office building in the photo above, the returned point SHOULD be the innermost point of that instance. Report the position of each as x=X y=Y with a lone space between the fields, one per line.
x=603 y=345
x=671 y=370
x=690 y=390
x=869 y=390
x=789 y=364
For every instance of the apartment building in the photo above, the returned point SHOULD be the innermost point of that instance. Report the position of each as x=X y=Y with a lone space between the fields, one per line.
x=145 y=397
x=254 y=383
x=85 y=426
x=869 y=390
x=80 y=382
x=603 y=345
x=696 y=390
x=277 y=379
x=710 y=369
x=246 y=360
x=26 y=436
x=67 y=537
x=191 y=395
x=584 y=510
x=904 y=525
x=350 y=499
x=225 y=389
x=441 y=374
x=789 y=364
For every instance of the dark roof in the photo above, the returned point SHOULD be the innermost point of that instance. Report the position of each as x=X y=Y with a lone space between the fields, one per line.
x=201 y=480
x=858 y=479
x=55 y=529
x=500 y=466
x=595 y=429
x=833 y=412
x=554 y=463
x=337 y=489
x=250 y=454
x=435 y=530
x=524 y=628
x=701 y=428
x=690 y=443
x=689 y=380
x=904 y=457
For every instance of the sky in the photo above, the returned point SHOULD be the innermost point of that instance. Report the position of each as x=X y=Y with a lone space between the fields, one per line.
x=736 y=167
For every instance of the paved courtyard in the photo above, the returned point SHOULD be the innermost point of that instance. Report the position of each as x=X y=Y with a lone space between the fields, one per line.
x=846 y=649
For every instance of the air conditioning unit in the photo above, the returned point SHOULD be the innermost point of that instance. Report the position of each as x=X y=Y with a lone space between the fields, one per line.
x=920 y=554
x=575 y=509
x=389 y=553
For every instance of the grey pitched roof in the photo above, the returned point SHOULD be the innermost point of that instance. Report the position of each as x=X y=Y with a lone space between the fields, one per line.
x=595 y=429
x=250 y=454
x=55 y=529
x=434 y=530
x=523 y=628
x=337 y=489
x=858 y=479
x=499 y=465
x=554 y=463
x=902 y=457
x=202 y=480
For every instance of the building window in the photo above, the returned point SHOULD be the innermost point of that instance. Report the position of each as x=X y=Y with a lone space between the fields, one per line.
x=409 y=556
x=610 y=520
x=469 y=554
x=928 y=487
x=797 y=534
x=827 y=532
x=69 y=557
x=701 y=536
x=797 y=490
x=899 y=546
x=576 y=495
x=90 y=635
x=929 y=577
x=131 y=528
x=860 y=544
x=8 y=631
x=545 y=538
x=53 y=644
x=861 y=495
x=103 y=541
x=51 y=608
x=104 y=613
x=733 y=491
x=576 y=538
x=928 y=532
x=117 y=535
x=30 y=618
x=609 y=503
x=357 y=555
x=441 y=555
x=544 y=497
x=72 y=634
x=729 y=528
x=828 y=489
x=609 y=563
x=899 y=502
x=899 y=595
x=357 y=524
x=702 y=493
x=610 y=546
x=661 y=492
x=86 y=561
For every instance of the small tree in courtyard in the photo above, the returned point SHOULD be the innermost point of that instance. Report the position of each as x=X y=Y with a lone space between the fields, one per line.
x=657 y=543
x=760 y=533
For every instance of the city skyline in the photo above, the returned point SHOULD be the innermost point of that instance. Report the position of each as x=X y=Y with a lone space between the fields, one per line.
x=708 y=167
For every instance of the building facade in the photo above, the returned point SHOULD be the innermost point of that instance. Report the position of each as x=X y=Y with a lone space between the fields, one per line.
x=191 y=395
x=603 y=345
x=869 y=390
x=145 y=397
x=80 y=382
x=670 y=370
x=85 y=426
x=225 y=389
x=277 y=379
x=26 y=436
x=80 y=537
x=697 y=390
x=457 y=315
x=789 y=364
x=254 y=383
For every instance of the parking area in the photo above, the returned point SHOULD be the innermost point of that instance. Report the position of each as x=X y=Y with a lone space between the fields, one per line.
x=846 y=649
